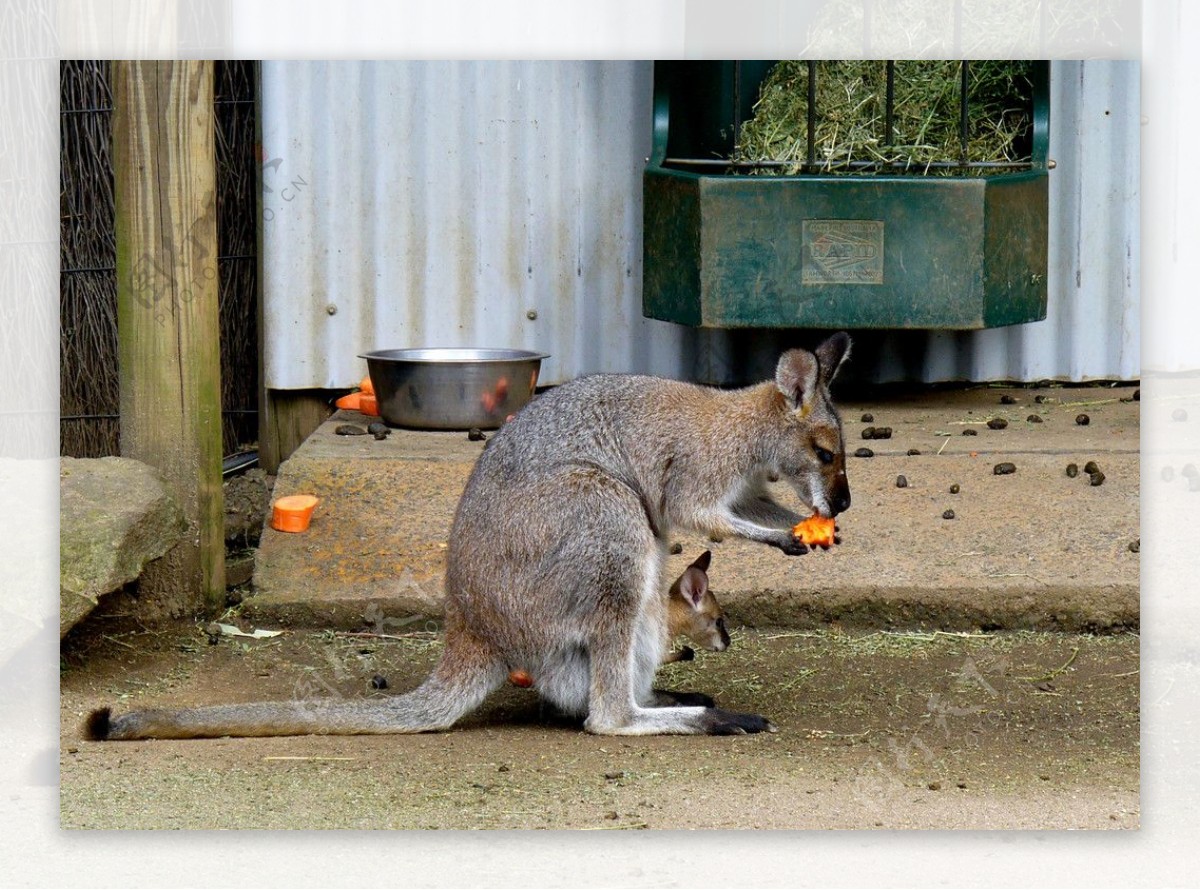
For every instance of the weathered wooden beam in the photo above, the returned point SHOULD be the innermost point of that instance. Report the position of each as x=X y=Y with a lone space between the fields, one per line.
x=167 y=311
x=287 y=418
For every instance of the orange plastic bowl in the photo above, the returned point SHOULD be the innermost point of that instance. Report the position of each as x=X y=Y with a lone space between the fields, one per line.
x=293 y=513
x=368 y=404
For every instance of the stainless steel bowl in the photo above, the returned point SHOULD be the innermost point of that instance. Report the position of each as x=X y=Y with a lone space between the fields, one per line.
x=452 y=389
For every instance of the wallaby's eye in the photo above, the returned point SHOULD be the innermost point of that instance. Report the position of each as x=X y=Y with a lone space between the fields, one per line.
x=825 y=457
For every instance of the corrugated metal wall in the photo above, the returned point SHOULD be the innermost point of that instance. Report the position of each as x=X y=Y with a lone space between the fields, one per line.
x=499 y=204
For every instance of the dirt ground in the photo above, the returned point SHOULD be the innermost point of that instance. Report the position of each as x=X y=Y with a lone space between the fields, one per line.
x=879 y=730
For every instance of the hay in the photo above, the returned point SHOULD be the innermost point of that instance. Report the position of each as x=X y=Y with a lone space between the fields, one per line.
x=851 y=126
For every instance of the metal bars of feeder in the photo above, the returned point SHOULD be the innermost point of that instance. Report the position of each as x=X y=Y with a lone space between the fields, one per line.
x=811 y=164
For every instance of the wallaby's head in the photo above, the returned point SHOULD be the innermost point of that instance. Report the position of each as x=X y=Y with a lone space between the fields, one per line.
x=693 y=611
x=810 y=454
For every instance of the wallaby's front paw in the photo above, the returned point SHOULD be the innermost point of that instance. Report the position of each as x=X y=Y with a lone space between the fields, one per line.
x=721 y=722
x=792 y=547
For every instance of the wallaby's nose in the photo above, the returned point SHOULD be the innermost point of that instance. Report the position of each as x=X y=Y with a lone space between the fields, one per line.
x=841 y=503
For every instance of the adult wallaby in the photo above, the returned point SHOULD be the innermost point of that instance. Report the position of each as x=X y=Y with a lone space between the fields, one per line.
x=556 y=552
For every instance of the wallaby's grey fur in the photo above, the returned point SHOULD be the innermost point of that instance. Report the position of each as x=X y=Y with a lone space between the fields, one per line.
x=692 y=612
x=558 y=544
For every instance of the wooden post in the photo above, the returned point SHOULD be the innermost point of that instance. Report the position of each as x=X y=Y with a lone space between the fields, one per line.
x=287 y=418
x=167 y=316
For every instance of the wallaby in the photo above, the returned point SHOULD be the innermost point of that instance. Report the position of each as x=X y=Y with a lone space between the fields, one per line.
x=693 y=612
x=557 y=547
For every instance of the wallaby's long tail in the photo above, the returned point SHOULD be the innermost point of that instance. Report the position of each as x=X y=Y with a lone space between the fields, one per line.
x=460 y=682
x=304 y=717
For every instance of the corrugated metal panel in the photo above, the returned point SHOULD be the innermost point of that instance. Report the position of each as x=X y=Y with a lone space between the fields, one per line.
x=444 y=202
x=439 y=203
x=1092 y=326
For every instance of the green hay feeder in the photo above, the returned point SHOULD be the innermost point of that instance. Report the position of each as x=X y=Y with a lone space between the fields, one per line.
x=890 y=231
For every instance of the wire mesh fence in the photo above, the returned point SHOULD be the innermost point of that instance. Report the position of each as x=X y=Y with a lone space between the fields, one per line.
x=237 y=171
x=89 y=384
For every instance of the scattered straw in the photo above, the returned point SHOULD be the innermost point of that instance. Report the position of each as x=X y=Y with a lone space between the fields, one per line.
x=1089 y=403
x=420 y=635
x=626 y=827
x=790 y=634
x=115 y=640
x=1054 y=673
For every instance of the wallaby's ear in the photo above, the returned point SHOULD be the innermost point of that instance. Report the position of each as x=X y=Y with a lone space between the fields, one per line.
x=796 y=376
x=831 y=354
x=703 y=560
x=693 y=584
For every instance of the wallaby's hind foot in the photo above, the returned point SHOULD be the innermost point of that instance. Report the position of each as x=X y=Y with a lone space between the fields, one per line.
x=680 y=721
x=718 y=721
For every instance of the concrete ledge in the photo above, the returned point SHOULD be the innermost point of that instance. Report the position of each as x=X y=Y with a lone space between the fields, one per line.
x=1031 y=550
x=375 y=552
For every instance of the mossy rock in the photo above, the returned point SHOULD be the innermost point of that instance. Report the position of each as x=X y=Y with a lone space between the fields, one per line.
x=116 y=515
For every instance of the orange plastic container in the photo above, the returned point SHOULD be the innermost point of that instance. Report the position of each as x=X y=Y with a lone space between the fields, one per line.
x=293 y=512
x=366 y=385
x=368 y=404
x=350 y=402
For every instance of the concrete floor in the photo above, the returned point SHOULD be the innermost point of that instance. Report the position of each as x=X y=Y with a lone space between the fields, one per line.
x=875 y=731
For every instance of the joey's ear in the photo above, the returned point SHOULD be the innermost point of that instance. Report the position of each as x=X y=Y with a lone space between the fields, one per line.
x=703 y=560
x=796 y=376
x=693 y=584
x=831 y=354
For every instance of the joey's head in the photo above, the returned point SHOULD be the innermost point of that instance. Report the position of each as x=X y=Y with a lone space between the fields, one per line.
x=693 y=611
x=810 y=454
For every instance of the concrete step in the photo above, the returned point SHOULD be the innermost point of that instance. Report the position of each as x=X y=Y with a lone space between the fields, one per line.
x=1034 y=549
